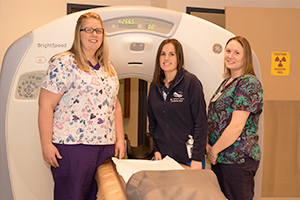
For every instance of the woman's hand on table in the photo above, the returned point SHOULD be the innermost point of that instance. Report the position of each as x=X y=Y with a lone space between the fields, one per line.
x=157 y=156
x=196 y=164
x=120 y=148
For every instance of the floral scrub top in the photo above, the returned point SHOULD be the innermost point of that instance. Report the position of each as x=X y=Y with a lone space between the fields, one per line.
x=86 y=112
x=243 y=93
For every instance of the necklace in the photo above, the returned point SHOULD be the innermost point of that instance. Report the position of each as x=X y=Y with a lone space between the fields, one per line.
x=221 y=91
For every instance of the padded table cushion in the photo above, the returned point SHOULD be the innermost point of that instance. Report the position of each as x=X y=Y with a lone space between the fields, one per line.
x=110 y=184
x=174 y=184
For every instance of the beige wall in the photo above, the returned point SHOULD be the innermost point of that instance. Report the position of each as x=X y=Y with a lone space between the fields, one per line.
x=268 y=30
x=180 y=5
x=15 y=21
x=281 y=168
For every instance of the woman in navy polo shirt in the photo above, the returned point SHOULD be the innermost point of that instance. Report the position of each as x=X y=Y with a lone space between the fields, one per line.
x=176 y=108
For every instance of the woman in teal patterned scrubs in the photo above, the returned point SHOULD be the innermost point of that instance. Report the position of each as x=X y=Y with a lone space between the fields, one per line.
x=233 y=117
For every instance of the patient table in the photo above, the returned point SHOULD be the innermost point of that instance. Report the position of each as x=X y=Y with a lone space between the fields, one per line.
x=176 y=183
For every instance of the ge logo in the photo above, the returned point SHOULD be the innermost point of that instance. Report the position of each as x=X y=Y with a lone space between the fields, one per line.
x=217 y=48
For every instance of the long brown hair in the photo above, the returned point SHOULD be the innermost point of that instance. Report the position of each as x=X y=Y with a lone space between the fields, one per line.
x=159 y=75
x=101 y=55
x=248 y=63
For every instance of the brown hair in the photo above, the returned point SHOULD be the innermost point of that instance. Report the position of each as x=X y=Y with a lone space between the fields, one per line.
x=159 y=75
x=248 y=64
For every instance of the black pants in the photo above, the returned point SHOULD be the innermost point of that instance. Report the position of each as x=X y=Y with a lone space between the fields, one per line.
x=237 y=180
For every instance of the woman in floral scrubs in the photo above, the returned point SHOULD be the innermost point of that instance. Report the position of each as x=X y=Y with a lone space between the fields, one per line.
x=233 y=117
x=80 y=117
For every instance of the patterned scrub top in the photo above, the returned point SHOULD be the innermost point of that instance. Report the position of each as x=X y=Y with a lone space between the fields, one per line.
x=243 y=93
x=86 y=112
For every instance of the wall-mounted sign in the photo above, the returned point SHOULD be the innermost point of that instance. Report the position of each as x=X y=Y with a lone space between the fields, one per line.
x=280 y=65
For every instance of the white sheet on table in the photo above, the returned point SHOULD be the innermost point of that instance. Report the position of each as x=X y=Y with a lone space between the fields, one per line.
x=127 y=167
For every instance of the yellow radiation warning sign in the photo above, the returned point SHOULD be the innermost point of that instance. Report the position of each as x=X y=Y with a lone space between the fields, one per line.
x=280 y=65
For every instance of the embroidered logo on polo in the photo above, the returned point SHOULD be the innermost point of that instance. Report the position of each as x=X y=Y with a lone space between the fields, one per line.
x=177 y=97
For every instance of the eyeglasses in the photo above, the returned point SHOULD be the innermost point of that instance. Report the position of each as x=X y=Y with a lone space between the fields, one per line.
x=91 y=30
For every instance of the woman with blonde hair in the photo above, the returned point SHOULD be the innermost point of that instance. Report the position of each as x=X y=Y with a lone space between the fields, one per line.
x=80 y=117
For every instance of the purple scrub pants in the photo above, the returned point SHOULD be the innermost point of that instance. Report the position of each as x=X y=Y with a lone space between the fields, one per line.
x=74 y=178
x=237 y=180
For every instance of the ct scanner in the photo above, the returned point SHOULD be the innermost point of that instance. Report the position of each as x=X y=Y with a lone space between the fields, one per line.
x=133 y=35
